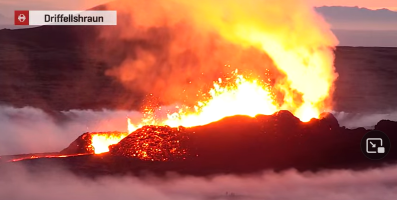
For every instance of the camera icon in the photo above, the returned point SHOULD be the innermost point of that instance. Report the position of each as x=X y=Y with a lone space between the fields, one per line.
x=371 y=145
x=375 y=145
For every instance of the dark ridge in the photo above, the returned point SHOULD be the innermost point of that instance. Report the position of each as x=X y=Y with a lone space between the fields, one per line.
x=81 y=145
x=238 y=144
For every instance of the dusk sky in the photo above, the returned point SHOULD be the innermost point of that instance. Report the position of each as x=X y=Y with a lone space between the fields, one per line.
x=8 y=6
x=374 y=4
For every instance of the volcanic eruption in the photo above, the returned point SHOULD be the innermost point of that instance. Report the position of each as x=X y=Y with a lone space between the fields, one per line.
x=220 y=77
x=260 y=56
x=264 y=56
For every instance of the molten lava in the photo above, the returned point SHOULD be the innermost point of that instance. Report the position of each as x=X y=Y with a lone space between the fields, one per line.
x=100 y=142
x=236 y=95
x=241 y=97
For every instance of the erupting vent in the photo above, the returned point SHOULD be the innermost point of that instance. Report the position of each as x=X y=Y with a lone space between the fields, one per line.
x=94 y=142
x=100 y=142
x=155 y=143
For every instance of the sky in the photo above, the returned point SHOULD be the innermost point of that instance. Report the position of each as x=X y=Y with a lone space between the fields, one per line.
x=8 y=6
x=373 y=4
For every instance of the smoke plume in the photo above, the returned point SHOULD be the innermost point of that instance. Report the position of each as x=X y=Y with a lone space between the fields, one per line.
x=175 y=49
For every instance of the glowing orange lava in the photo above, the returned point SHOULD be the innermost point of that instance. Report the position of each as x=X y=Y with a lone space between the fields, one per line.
x=100 y=142
x=44 y=156
x=240 y=96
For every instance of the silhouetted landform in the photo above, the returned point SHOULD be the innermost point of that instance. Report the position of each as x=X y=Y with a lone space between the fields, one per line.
x=354 y=26
x=82 y=145
x=366 y=38
x=355 y=18
x=239 y=144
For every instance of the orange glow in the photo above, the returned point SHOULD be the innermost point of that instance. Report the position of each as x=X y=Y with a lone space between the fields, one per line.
x=154 y=143
x=101 y=141
x=234 y=96
x=241 y=97
x=297 y=40
x=44 y=156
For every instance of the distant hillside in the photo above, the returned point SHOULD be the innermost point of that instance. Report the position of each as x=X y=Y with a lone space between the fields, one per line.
x=355 y=26
x=370 y=38
x=355 y=18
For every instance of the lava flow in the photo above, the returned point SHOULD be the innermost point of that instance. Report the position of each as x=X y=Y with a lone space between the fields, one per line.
x=45 y=156
x=86 y=144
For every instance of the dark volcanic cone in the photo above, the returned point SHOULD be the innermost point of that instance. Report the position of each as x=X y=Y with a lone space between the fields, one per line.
x=237 y=144
x=81 y=145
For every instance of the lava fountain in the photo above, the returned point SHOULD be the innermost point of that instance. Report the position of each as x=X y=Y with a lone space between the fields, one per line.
x=297 y=41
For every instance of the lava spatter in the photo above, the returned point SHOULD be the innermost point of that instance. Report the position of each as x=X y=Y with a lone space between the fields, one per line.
x=154 y=143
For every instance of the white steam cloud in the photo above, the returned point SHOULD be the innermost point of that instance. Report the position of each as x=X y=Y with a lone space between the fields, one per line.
x=355 y=120
x=30 y=130
x=372 y=184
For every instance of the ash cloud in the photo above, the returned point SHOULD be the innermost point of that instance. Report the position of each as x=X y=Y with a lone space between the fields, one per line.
x=19 y=183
